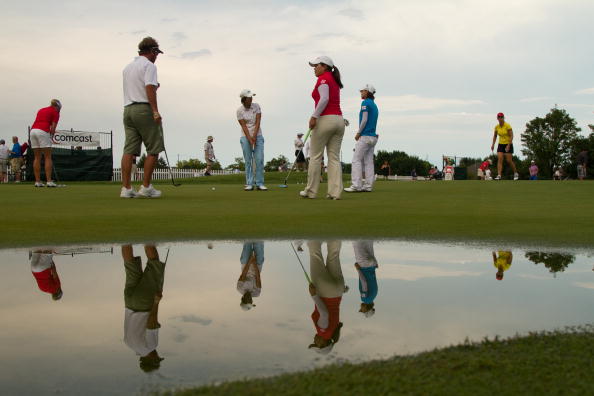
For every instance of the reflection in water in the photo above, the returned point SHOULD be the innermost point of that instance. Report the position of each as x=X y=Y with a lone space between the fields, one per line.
x=326 y=289
x=555 y=262
x=142 y=295
x=45 y=272
x=249 y=284
x=366 y=264
x=502 y=260
x=428 y=297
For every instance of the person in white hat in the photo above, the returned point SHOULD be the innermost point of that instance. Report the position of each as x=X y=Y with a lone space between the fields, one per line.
x=326 y=289
x=366 y=138
x=249 y=284
x=366 y=264
x=533 y=170
x=299 y=156
x=209 y=155
x=327 y=129
x=249 y=116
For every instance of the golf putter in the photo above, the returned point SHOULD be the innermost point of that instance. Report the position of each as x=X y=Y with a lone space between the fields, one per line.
x=167 y=158
x=284 y=185
x=302 y=267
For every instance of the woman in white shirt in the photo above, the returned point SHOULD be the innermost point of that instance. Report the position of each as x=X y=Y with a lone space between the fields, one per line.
x=249 y=116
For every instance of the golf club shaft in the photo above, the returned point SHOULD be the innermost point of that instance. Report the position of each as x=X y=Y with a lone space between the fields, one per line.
x=167 y=157
x=302 y=267
x=297 y=156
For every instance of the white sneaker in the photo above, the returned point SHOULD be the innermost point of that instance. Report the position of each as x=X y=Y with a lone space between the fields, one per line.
x=127 y=193
x=498 y=177
x=148 y=192
x=352 y=189
x=262 y=188
x=51 y=184
x=366 y=189
x=303 y=194
x=516 y=176
x=248 y=188
x=39 y=184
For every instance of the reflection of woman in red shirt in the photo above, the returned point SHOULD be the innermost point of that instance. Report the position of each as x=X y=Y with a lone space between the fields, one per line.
x=327 y=129
x=326 y=290
x=44 y=271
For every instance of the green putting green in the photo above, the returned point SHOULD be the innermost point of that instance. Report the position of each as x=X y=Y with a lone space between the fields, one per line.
x=543 y=212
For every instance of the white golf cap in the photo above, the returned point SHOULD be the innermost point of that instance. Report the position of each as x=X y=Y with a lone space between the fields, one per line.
x=247 y=307
x=246 y=93
x=369 y=313
x=368 y=88
x=322 y=59
x=323 y=351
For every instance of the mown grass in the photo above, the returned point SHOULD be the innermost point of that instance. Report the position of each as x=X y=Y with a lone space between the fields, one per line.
x=544 y=212
x=551 y=363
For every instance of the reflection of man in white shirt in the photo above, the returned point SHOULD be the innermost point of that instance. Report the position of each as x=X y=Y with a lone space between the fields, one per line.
x=143 y=292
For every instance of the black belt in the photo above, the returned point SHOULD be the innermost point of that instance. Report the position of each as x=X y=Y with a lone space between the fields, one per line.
x=137 y=103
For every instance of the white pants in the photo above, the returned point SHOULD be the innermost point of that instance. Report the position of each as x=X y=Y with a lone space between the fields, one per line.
x=40 y=139
x=363 y=161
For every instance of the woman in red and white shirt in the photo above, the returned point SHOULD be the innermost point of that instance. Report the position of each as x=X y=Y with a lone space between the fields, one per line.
x=327 y=129
x=41 y=134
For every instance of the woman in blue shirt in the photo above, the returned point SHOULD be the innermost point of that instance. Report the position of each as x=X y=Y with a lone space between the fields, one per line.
x=366 y=139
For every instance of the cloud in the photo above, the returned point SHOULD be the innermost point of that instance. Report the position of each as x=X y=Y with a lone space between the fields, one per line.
x=193 y=319
x=179 y=36
x=166 y=20
x=352 y=13
x=405 y=103
x=585 y=91
x=196 y=54
x=535 y=99
x=415 y=272
x=585 y=285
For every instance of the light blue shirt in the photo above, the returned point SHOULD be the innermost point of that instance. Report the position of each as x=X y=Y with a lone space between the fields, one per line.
x=368 y=106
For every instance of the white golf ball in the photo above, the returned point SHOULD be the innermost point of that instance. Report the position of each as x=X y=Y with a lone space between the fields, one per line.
x=213 y=189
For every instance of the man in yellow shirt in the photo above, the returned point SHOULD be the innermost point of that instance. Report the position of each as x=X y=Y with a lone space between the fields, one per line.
x=505 y=146
x=502 y=260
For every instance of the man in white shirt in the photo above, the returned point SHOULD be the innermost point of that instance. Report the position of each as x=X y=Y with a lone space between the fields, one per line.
x=142 y=294
x=299 y=156
x=4 y=154
x=142 y=121
x=209 y=155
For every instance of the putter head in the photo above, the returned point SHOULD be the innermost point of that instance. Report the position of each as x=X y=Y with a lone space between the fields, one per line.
x=283 y=186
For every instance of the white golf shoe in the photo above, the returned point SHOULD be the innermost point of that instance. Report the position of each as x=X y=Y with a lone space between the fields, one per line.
x=127 y=193
x=498 y=177
x=262 y=188
x=303 y=194
x=39 y=184
x=352 y=189
x=248 y=188
x=51 y=184
x=516 y=176
x=148 y=192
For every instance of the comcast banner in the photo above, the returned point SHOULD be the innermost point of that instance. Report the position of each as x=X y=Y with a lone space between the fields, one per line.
x=72 y=138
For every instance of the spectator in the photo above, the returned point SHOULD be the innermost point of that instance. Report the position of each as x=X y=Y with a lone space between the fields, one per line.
x=502 y=260
x=299 y=156
x=413 y=174
x=4 y=154
x=16 y=159
x=483 y=168
x=582 y=161
x=558 y=174
x=134 y=168
x=385 y=170
x=209 y=155
x=533 y=170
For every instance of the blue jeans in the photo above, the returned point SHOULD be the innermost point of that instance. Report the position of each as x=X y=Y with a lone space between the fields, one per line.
x=257 y=155
x=248 y=249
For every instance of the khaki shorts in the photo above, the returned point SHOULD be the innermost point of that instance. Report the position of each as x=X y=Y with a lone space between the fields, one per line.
x=480 y=173
x=16 y=164
x=141 y=127
x=40 y=139
x=141 y=286
x=3 y=166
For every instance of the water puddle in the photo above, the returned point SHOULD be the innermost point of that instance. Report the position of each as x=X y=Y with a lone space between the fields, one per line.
x=135 y=319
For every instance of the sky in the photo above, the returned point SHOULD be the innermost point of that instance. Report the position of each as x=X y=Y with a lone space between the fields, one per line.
x=442 y=69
